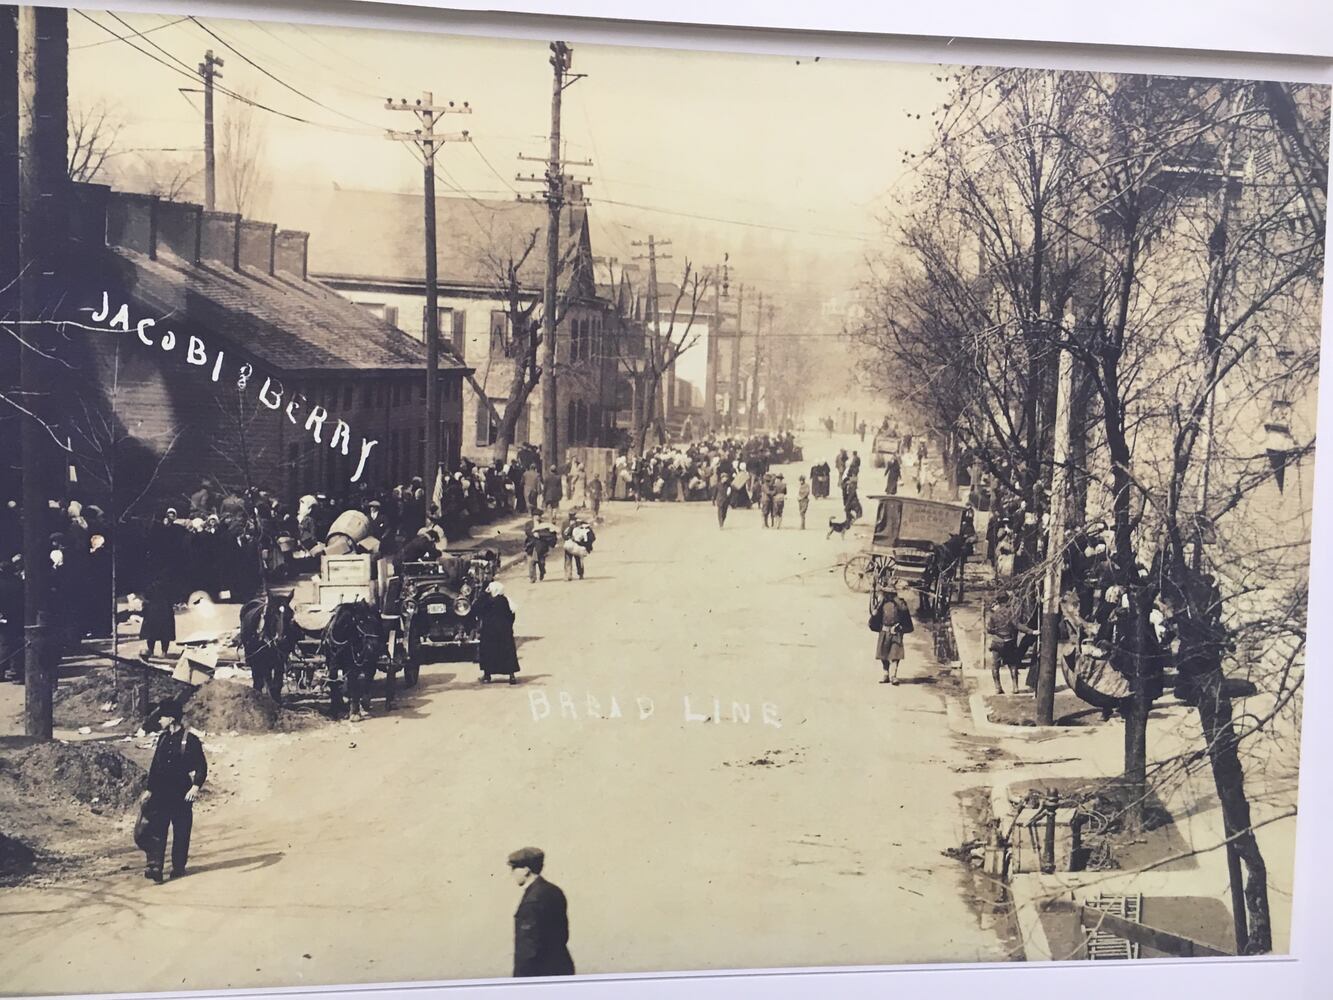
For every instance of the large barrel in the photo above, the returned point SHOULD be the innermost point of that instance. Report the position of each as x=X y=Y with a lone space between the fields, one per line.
x=351 y=528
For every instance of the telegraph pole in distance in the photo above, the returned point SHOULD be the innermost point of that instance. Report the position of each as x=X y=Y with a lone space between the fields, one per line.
x=654 y=299
x=736 y=360
x=710 y=372
x=208 y=69
x=752 y=411
x=426 y=141
x=43 y=82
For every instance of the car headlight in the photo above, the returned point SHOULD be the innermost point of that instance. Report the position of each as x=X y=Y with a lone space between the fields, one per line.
x=466 y=588
x=462 y=607
x=409 y=607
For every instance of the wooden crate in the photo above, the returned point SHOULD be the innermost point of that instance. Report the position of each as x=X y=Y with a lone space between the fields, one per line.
x=349 y=570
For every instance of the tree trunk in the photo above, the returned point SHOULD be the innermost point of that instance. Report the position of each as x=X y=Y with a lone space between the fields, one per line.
x=1220 y=737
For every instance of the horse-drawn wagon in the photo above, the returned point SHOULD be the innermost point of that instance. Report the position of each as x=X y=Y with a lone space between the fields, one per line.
x=917 y=542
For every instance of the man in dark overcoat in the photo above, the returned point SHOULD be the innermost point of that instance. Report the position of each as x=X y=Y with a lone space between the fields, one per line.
x=177 y=773
x=541 y=922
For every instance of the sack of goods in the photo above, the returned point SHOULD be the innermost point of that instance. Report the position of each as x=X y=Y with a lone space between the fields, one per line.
x=583 y=536
x=573 y=548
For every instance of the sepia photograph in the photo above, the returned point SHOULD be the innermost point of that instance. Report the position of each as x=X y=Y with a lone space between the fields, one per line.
x=483 y=508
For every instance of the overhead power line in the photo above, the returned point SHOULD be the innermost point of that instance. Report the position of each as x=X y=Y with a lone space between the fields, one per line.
x=863 y=237
x=277 y=79
x=193 y=75
x=137 y=34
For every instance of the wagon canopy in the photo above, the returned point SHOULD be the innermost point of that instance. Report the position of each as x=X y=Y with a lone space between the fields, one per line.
x=909 y=522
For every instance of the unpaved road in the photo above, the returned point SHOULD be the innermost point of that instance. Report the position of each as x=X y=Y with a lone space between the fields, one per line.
x=681 y=843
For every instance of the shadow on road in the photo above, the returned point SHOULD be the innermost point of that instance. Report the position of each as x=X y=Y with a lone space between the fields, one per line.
x=253 y=862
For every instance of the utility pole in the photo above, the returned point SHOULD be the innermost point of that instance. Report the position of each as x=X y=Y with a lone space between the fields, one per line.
x=736 y=359
x=208 y=69
x=1055 y=545
x=426 y=142
x=710 y=372
x=660 y=359
x=43 y=83
x=751 y=411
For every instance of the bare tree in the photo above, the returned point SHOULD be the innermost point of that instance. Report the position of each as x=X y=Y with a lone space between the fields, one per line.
x=242 y=142
x=1173 y=282
x=93 y=135
x=661 y=348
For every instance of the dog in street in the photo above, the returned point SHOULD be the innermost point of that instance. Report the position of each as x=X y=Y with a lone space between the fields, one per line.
x=836 y=527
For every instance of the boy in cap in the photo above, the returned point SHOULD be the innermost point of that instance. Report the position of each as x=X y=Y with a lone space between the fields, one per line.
x=541 y=922
x=177 y=773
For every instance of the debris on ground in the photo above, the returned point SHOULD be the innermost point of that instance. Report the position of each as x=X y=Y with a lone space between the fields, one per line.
x=89 y=773
x=222 y=707
x=88 y=700
x=16 y=857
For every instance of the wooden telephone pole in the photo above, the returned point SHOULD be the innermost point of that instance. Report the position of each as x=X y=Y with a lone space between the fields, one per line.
x=426 y=142
x=660 y=397
x=208 y=69
x=736 y=359
x=752 y=411
x=556 y=197
x=720 y=281
x=43 y=83
x=1055 y=546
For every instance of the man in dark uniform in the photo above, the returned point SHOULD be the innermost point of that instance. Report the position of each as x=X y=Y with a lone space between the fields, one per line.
x=177 y=773
x=541 y=922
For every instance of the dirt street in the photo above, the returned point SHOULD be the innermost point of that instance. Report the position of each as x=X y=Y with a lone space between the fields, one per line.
x=699 y=742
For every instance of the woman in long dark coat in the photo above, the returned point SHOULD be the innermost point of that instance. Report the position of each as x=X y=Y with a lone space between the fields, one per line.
x=497 y=653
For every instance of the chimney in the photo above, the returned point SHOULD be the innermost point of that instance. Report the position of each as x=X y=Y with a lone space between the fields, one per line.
x=292 y=253
x=131 y=222
x=220 y=238
x=256 y=246
x=180 y=229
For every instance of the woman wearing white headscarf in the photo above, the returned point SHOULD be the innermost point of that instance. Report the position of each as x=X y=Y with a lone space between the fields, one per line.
x=497 y=652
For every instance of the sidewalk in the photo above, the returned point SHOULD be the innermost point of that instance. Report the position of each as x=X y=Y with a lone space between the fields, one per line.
x=1179 y=869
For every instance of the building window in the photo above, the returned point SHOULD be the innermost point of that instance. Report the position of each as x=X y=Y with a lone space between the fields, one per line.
x=499 y=333
x=347 y=396
x=422 y=393
x=459 y=333
x=367 y=396
x=488 y=430
x=441 y=317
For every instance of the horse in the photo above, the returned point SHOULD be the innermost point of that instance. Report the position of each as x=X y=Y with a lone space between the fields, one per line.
x=268 y=635
x=352 y=644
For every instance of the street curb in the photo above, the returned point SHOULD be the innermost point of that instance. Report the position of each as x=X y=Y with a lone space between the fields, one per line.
x=1027 y=919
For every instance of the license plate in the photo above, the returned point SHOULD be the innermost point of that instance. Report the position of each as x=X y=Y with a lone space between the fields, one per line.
x=436 y=609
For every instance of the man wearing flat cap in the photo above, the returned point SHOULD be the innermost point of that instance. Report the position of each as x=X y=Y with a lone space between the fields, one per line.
x=177 y=773
x=541 y=922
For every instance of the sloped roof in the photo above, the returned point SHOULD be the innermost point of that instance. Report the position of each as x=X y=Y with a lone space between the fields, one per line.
x=280 y=320
x=381 y=235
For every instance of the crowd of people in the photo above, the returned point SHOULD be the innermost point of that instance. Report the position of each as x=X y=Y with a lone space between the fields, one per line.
x=691 y=472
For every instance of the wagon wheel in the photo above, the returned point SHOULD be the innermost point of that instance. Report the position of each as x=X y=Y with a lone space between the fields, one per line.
x=859 y=573
x=943 y=596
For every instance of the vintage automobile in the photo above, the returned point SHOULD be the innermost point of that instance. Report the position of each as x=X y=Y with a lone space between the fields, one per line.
x=884 y=445
x=431 y=607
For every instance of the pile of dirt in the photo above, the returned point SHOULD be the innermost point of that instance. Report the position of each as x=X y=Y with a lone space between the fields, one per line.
x=88 y=773
x=225 y=707
x=79 y=701
x=16 y=857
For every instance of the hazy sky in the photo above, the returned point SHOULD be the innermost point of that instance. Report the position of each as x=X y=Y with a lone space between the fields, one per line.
x=783 y=165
